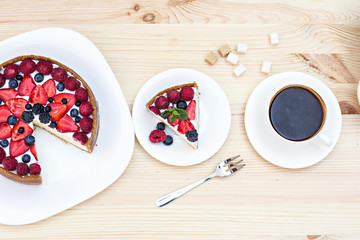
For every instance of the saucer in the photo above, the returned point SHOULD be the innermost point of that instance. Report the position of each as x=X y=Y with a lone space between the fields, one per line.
x=270 y=145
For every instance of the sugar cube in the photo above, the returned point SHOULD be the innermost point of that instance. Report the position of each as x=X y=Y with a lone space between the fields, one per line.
x=232 y=58
x=224 y=50
x=211 y=58
x=239 y=70
x=265 y=67
x=274 y=38
x=242 y=48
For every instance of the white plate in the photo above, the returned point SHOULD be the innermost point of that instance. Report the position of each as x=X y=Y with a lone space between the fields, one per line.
x=269 y=144
x=70 y=175
x=214 y=125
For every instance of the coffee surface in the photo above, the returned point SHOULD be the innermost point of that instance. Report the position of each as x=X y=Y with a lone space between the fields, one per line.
x=296 y=113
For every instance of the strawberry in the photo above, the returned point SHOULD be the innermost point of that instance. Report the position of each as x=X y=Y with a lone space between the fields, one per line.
x=16 y=135
x=33 y=151
x=175 y=123
x=50 y=88
x=26 y=86
x=191 y=110
x=16 y=106
x=38 y=95
x=57 y=111
x=70 y=99
x=5 y=131
x=185 y=126
x=67 y=124
x=7 y=93
x=4 y=113
x=18 y=147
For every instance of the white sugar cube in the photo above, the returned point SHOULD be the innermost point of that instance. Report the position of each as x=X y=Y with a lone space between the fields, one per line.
x=239 y=70
x=265 y=67
x=274 y=38
x=232 y=58
x=242 y=48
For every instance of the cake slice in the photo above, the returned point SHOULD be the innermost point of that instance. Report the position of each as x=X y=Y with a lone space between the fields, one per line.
x=178 y=108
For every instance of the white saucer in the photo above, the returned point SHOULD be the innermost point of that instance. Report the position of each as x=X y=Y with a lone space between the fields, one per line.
x=214 y=125
x=270 y=145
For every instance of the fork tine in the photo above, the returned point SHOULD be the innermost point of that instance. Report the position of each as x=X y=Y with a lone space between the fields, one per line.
x=231 y=159
x=235 y=163
x=234 y=169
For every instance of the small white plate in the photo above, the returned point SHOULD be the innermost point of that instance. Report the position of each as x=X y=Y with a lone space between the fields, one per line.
x=269 y=144
x=214 y=125
x=70 y=175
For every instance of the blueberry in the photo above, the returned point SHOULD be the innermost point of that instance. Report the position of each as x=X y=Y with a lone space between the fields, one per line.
x=21 y=130
x=181 y=104
x=53 y=124
x=77 y=119
x=38 y=108
x=64 y=101
x=47 y=109
x=44 y=117
x=19 y=77
x=27 y=116
x=26 y=158
x=77 y=103
x=74 y=112
x=39 y=77
x=4 y=143
x=50 y=99
x=192 y=136
x=28 y=106
x=30 y=140
x=12 y=120
x=13 y=83
x=160 y=126
x=168 y=140
x=60 y=87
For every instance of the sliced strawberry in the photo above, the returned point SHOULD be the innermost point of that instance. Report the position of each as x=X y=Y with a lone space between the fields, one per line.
x=7 y=93
x=16 y=106
x=4 y=113
x=33 y=151
x=26 y=86
x=5 y=131
x=17 y=148
x=16 y=136
x=67 y=124
x=70 y=98
x=57 y=111
x=185 y=126
x=175 y=123
x=191 y=110
x=50 y=88
x=38 y=95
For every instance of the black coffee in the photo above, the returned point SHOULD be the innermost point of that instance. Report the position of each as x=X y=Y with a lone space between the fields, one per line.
x=296 y=113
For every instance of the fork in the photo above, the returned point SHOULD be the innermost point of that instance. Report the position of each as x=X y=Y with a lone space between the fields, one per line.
x=224 y=169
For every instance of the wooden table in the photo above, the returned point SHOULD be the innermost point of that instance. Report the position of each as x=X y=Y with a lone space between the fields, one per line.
x=142 y=38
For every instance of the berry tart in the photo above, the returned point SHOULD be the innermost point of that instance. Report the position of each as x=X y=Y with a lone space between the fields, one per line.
x=178 y=108
x=37 y=91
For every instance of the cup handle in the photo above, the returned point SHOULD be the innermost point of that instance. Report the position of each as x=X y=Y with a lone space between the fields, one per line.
x=325 y=140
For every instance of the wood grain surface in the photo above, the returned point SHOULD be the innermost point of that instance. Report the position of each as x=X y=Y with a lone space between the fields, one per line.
x=319 y=37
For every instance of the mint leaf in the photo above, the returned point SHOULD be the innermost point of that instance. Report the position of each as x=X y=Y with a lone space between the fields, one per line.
x=172 y=118
x=176 y=113
x=167 y=112
x=182 y=114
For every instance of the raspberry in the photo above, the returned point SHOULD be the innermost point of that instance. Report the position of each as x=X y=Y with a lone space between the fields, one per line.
x=35 y=169
x=157 y=136
x=71 y=84
x=2 y=154
x=86 y=109
x=59 y=74
x=27 y=66
x=11 y=71
x=86 y=124
x=162 y=102
x=187 y=93
x=154 y=110
x=81 y=94
x=9 y=163
x=22 y=169
x=173 y=96
x=80 y=137
x=2 y=80
x=44 y=67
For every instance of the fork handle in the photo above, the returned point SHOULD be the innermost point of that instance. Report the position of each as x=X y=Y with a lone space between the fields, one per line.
x=174 y=195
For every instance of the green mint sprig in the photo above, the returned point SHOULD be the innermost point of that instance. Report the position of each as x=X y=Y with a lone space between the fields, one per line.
x=176 y=113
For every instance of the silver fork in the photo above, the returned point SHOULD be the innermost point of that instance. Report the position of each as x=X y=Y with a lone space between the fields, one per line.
x=224 y=169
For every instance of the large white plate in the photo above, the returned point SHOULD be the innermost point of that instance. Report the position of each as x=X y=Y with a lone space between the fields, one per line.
x=214 y=125
x=276 y=149
x=70 y=175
